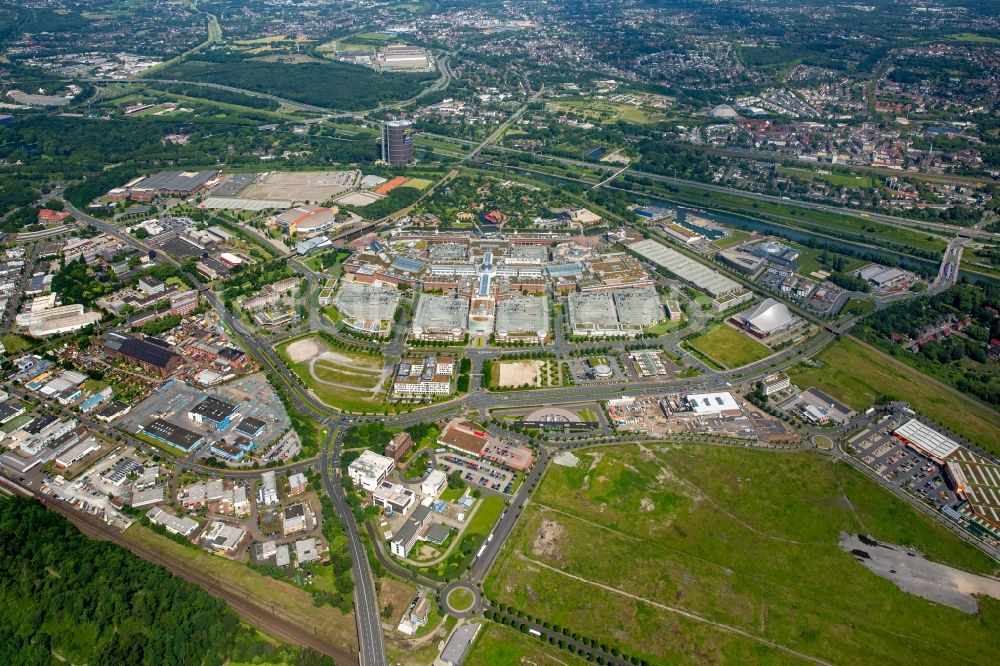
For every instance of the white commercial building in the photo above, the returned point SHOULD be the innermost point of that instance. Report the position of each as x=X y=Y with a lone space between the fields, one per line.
x=183 y=525
x=61 y=319
x=434 y=484
x=268 y=489
x=926 y=440
x=775 y=383
x=768 y=318
x=369 y=470
x=394 y=497
x=714 y=404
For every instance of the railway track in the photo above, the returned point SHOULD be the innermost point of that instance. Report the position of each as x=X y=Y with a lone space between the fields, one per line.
x=249 y=611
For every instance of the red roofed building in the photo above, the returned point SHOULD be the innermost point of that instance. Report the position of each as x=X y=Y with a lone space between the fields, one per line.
x=464 y=436
x=46 y=216
x=494 y=217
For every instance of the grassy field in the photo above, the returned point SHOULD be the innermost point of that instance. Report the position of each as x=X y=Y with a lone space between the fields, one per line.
x=857 y=306
x=339 y=385
x=731 y=556
x=497 y=645
x=835 y=178
x=857 y=374
x=735 y=237
x=729 y=347
x=606 y=112
x=16 y=344
x=809 y=260
x=460 y=598
x=286 y=599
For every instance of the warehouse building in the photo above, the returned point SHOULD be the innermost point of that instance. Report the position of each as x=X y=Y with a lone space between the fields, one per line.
x=153 y=356
x=174 y=435
x=714 y=404
x=977 y=481
x=175 y=525
x=926 y=440
x=222 y=538
x=694 y=273
x=213 y=413
x=164 y=183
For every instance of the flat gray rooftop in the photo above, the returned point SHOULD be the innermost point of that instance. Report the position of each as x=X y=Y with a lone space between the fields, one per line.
x=458 y=645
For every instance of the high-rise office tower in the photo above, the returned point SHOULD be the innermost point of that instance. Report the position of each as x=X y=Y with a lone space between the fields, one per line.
x=397 y=142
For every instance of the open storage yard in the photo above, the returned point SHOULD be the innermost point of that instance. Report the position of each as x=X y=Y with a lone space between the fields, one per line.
x=732 y=556
x=308 y=186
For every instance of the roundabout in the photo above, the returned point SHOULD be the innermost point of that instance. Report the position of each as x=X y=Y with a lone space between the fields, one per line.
x=460 y=600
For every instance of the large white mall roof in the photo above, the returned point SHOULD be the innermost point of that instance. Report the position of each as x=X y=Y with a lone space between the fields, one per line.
x=694 y=272
x=927 y=439
x=712 y=403
x=769 y=316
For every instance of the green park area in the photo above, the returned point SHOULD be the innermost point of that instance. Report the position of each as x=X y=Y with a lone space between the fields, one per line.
x=283 y=598
x=497 y=645
x=857 y=307
x=600 y=111
x=728 y=347
x=347 y=379
x=694 y=554
x=735 y=237
x=835 y=178
x=858 y=375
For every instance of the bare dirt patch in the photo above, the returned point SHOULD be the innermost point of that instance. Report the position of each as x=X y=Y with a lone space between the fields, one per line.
x=548 y=539
x=305 y=350
x=519 y=373
x=352 y=362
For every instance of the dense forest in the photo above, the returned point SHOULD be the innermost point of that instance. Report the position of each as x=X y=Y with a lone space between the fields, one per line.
x=961 y=357
x=94 y=602
x=329 y=84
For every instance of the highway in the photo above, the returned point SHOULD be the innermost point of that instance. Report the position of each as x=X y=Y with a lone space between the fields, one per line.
x=365 y=600
x=370 y=637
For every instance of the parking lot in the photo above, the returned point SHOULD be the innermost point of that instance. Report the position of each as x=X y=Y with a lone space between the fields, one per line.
x=582 y=373
x=901 y=466
x=477 y=472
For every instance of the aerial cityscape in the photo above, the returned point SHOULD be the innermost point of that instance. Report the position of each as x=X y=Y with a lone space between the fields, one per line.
x=499 y=333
